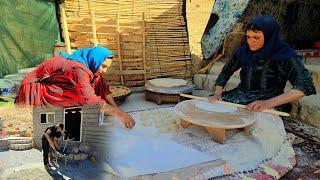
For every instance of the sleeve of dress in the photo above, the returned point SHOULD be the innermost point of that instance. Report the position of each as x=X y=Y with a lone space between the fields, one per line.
x=299 y=76
x=101 y=87
x=228 y=69
x=85 y=89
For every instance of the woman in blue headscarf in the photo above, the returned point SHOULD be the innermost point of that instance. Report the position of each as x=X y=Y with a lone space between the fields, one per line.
x=266 y=63
x=72 y=80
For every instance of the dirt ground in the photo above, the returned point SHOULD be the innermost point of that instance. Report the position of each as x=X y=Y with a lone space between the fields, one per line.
x=16 y=121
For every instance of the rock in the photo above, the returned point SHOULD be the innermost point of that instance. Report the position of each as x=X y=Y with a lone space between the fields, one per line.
x=310 y=110
x=20 y=147
x=217 y=67
x=4 y=144
x=207 y=81
x=75 y=150
x=84 y=148
x=87 y=149
x=81 y=147
x=83 y=156
x=70 y=156
x=76 y=157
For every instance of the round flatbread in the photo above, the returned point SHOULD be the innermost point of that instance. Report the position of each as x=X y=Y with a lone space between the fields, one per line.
x=215 y=107
x=167 y=82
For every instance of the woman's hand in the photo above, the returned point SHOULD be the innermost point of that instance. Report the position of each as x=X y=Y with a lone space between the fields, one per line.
x=127 y=121
x=216 y=97
x=217 y=94
x=125 y=118
x=259 y=105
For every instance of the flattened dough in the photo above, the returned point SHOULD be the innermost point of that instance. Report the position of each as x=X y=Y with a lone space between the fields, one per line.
x=215 y=107
x=168 y=82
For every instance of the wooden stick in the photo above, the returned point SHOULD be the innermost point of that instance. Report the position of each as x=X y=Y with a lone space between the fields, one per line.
x=65 y=30
x=119 y=49
x=235 y=105
x=94 y=30
x=144 y=47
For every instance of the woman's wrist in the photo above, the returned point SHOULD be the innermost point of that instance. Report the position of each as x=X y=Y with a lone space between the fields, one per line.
x=218 y=90
x=272 y=103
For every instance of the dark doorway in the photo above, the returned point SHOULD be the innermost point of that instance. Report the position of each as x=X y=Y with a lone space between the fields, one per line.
x=72 y=122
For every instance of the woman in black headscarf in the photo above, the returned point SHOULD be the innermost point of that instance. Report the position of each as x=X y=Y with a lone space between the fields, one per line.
x=266 y=63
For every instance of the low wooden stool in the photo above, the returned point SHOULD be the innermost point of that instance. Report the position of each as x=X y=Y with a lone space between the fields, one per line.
x=161 y=95
x=220 y=125
x=161 y=98
x=219 y=134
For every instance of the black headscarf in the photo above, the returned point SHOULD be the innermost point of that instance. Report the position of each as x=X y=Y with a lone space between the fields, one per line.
x=274 y=48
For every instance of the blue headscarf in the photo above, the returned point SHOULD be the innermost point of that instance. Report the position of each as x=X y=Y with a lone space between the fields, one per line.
x=274 y=48
x=92 y=58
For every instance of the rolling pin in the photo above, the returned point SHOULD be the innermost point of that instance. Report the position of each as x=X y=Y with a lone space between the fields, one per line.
x=270 y=111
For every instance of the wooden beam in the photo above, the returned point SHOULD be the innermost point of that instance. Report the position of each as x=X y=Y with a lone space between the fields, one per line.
x=65 y=30
x=127 y=72
x=119 y=49
x=144 y=47
x=94 y=29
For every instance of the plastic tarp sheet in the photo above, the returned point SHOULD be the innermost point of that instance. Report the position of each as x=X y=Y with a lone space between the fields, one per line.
x=28 y=31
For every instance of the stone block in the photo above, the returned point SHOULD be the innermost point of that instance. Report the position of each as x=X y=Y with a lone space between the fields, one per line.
x=310 y=110
x=217 y=67
x=207 y=81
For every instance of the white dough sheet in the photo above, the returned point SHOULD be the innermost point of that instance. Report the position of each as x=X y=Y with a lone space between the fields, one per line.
x=131 y=153
x=215 y=107
x=146 y=149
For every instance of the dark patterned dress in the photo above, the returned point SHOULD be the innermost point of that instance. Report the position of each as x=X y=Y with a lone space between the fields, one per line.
x=264 y=79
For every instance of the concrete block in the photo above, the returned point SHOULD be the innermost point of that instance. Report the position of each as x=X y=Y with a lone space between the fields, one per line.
x=207 y=81
x=310 y=110
x=4 y=144
x=217 y=67
x=202 y=93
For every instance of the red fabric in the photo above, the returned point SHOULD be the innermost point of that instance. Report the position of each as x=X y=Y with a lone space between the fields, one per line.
x=62 y=82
